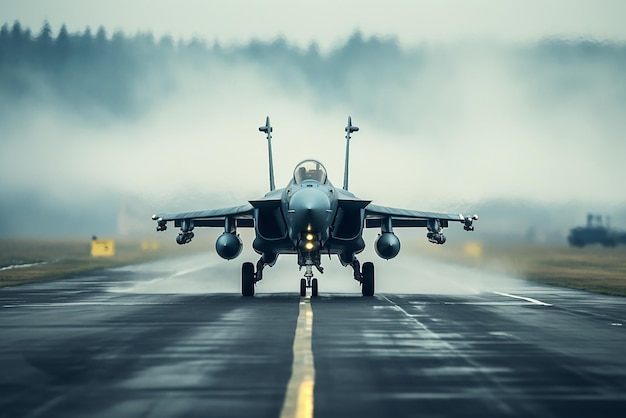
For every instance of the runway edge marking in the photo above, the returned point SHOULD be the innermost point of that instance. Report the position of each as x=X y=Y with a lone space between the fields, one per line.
x=298 y=401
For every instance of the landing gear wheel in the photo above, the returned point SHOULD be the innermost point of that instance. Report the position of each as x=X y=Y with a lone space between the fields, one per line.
x=302 y=287
x=367 y=279
x=247 y=279
x=314 y=287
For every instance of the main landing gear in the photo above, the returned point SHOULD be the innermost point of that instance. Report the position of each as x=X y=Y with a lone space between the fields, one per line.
x=365 y=276
x=367 y=279
x=249 y=277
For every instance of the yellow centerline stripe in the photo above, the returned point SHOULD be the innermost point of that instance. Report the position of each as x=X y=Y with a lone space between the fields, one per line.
x=299 y=395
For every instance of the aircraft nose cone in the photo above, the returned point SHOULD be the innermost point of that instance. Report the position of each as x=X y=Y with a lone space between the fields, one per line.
x=309 y=206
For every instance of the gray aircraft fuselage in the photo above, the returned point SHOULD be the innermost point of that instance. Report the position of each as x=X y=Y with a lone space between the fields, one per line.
x=303 y=219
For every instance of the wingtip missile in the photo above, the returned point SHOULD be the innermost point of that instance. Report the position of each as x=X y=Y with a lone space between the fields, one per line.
x=469 y=222
x=267 y=127
x=350 y=128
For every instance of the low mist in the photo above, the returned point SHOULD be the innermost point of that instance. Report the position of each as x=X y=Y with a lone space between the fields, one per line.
x=103 y=130
x=414 y=271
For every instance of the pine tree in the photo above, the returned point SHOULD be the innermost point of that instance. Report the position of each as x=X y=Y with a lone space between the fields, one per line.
x=62 y=46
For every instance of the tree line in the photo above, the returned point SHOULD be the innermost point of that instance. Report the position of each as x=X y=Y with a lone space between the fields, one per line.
x=81 y=67
x=91 y=67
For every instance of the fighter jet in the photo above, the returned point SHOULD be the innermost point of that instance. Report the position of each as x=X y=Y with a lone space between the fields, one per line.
x=309 y=218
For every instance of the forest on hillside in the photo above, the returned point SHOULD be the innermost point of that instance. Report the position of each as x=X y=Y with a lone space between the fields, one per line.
x=112 y=71
x=122 y=75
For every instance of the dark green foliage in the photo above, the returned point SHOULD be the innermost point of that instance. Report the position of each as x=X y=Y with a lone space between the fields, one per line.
x=79 y=71
x=83 y=71
x=119 y=76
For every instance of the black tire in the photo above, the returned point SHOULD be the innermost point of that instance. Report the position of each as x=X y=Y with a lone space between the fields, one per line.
x=247 y=279
x=367 y=279
x=302 y=287
x=314 y=288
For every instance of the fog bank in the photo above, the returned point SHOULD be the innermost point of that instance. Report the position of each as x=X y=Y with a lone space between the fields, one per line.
x=98 y=127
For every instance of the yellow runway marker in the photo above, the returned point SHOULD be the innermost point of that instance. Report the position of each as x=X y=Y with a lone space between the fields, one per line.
x=102 y=248
x=299 y=396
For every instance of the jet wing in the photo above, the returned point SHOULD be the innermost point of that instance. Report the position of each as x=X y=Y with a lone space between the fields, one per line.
x=375 y=214
x=242 y=215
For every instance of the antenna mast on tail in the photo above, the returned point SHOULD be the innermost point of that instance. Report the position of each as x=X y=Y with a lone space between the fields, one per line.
x=268 y=130
x=349 y=130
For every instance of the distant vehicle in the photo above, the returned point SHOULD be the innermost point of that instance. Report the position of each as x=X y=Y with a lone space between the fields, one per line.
x=311 y=218
x=596 y=233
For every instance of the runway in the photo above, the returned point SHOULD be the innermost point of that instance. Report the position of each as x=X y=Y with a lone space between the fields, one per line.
x=175 y=338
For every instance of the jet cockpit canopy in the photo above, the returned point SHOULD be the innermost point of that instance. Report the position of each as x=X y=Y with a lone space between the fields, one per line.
x=309 y=170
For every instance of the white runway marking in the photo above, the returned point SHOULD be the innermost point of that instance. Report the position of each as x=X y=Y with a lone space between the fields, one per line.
x=21 y=266
x=531 y=300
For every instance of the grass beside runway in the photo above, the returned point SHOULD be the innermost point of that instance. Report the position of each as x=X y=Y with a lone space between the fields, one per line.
x=596 y=269
x=593 y=268
x=33 y=260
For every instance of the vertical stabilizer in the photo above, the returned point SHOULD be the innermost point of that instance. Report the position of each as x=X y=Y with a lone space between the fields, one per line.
x=268 y=130
x=349 y=130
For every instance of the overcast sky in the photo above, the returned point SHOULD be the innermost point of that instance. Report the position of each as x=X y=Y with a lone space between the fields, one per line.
x=328 y=22
x=486 y=121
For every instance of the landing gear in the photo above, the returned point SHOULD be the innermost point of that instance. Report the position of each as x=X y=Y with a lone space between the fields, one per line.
x=247 y=279
x=367 y=279
x=312 y=283
x=259 y=270
x=308 y=281
x=364 y=275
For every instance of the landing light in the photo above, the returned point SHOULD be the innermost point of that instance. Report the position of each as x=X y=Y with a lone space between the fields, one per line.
x=309 y=237
x=309 y=246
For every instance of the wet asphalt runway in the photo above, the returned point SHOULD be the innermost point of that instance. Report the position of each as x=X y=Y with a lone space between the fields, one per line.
x=167 y=339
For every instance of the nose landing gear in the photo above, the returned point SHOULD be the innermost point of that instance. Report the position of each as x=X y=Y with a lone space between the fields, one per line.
x=309 y=282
